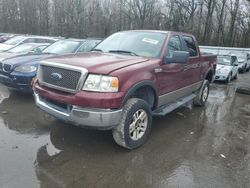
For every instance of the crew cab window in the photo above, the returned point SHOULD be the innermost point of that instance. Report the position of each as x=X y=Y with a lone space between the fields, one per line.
x=190 y=45
x=174 y=44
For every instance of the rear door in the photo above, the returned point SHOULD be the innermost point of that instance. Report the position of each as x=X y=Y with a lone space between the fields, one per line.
x=192 y=70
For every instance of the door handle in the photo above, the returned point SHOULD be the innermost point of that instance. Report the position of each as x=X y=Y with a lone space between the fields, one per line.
x=185 y=67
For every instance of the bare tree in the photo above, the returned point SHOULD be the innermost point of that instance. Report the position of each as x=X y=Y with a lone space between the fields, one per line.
x=217 y=22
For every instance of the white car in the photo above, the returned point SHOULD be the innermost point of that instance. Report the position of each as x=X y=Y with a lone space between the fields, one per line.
x=15 y=41
x=227 y=68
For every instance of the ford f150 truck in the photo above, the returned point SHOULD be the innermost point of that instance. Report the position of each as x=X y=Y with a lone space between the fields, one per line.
x=124 y=81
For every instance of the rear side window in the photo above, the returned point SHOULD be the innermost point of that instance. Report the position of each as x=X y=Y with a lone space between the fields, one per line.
x=190 y=45
x=174 y=44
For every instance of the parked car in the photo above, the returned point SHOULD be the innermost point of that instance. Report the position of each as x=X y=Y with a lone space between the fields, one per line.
x=17 y=40
x=23 y=49
x=18 y=72
x=242 y=61
x=227 y=68
x=6 y=36
x=124 y=81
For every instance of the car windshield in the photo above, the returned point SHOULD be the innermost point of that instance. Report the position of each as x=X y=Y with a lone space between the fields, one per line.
x=226 y=60
x=62 y=47
x=14 y=40
x=21 y=48
x=242 y=58
x=148 y=44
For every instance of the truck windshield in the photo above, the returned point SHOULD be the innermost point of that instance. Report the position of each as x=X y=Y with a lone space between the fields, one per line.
x=62 y=47
x=147 y=44
x=224 y=60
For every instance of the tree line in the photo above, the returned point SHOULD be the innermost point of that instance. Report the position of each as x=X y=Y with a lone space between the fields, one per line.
x=213 y=22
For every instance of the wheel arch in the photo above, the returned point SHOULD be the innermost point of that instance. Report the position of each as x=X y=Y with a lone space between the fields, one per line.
x=209 y=76
x=148 y=85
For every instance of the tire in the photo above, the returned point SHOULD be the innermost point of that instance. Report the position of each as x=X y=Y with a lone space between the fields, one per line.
x=243 y=90
x=133 y=109
x=229 y=78
x=201 y=98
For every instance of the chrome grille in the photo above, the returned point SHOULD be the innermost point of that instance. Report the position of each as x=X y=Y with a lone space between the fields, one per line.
x=69 y=79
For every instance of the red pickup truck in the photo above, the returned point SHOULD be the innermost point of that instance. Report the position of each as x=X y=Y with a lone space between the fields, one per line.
x=124 y=81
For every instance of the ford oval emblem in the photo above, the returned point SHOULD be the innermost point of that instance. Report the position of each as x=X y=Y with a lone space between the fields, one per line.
x=56 y=76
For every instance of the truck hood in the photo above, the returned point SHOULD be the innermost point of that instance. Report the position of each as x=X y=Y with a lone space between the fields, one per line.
x=98 y=62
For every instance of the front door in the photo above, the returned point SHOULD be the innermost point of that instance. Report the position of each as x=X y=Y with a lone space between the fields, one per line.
x=170 y=76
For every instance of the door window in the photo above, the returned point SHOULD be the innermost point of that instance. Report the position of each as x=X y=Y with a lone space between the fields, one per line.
x=174 y=44
x=190 y=45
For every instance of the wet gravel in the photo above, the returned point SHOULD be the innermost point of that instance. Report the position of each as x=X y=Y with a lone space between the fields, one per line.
x=199 y=147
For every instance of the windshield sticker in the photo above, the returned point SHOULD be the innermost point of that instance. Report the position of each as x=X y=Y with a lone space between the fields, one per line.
x=151 y=41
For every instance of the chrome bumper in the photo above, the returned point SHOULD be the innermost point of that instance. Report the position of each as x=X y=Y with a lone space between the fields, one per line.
x=85 y=117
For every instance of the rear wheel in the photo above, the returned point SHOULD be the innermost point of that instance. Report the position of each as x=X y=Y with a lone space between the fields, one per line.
x=202 y=96
x=135 y=125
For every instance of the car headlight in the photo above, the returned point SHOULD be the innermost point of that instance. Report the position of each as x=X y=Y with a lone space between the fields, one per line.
x=25 y=68
x=101 y=83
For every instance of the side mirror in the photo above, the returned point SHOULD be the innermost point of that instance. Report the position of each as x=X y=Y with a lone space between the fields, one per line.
x=178 y=57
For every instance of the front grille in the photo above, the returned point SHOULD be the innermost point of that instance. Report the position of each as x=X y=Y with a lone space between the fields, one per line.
x=6 y=67
x=68 y=80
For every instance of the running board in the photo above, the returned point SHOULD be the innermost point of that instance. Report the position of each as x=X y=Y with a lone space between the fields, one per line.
x=163 y=110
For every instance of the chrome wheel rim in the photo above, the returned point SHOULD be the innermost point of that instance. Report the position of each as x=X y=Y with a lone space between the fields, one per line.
x=205 y=94
x=139 y=124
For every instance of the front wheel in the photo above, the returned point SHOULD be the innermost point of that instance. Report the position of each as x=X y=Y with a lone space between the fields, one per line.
x=135 y=124
x=202 y=95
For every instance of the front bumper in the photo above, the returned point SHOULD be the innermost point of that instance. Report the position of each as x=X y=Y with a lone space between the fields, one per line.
x=96 y=118
x=13 y=82
x=220 y=77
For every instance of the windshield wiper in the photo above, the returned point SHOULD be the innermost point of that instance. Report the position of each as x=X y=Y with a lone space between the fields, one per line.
x=96 y=49
x=123 y=51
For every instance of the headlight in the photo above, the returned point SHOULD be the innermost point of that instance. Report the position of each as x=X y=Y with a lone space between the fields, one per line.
x=101 y=83
x=25 y=68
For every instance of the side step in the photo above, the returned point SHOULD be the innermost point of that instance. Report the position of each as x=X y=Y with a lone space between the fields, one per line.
x=163 y=110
